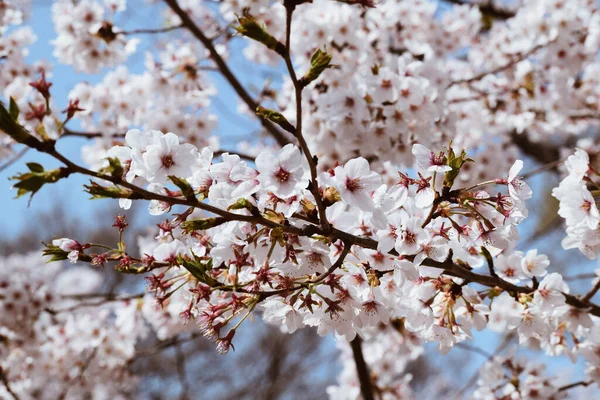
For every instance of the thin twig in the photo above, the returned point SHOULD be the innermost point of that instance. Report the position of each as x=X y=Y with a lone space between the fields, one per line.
x=499 y=69
x=6 y=383
x=150 y=31
x=298 y=87
x=487 y=8
x=580 y=277
x=592 y=292
x=79 y=376
x=572 y=385
x=545 y=167
x=281 y=139
x=15 y=158
x=474 y=349
x=507 y=339
x=101 y=301
x=167 y=344
x=90 y=135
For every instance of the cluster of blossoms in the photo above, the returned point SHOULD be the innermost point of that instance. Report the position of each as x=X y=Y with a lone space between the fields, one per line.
x=401 y=79
x=403 y=251
x=170 y=95
x=577 y=194
x=12 y=12
x=50 y=336
x=516 y=378
x=347 y=241
x=86 y=39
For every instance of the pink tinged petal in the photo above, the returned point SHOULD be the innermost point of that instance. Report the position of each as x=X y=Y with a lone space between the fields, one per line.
x=290 y=158
x=361 y=200
x=514 y=170
x=424 y=198
x=357 y=167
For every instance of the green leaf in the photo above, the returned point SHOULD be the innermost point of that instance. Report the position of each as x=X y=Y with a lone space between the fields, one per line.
x=186 y=189
x=9 y=126
x=198 y=268
x=202 y=224
x=13 y=109
x=249 y=27
x=241 y=204
x=114 y=168
x=32 y=182
x=34 y=167
x=109 y=192
x=277 y=117
x=55 y=253
x=319 y=62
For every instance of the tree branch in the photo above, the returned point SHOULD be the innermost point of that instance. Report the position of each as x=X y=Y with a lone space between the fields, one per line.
x=14 y=159
x=592 y=292
x=150 y=31
x=290 y=5
x=490 y=8
x=6 y=384
x=364 y=377
x=501 y=68
x=187 y=22
x=572 y=385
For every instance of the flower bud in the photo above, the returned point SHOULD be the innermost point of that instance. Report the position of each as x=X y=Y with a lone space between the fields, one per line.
x=250 y=28
x=276 y=117
x=319 y=62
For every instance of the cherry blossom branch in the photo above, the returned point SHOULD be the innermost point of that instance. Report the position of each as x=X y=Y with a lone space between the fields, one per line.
x=474 y=349
x=507 y=339
x=543 y=168
x=364 y=377
x=449 y=267
x=187 y=22
x=166 y=344
x=14 y=159
x=335 y=266
x=181 y=371
x=579 y=277
x=489 y=8
x=592 y=292
x=6 y=384
x=104 y=299
x=500 y=68
x=576 y=384
x=90 y=135
x=79 y=376
x=150 y=31
x=290 y=6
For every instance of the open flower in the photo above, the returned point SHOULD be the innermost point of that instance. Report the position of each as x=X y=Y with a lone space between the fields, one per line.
x=167 y=157
x=283 y=174
x=355 y=182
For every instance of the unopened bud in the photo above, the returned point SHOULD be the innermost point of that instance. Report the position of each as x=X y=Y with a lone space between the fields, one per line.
x=319 y=62
x=250 y=28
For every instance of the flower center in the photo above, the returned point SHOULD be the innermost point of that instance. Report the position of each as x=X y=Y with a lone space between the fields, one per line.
x=353 y=184
x=167 y=161
x=410 y=237
x=586 y=206
x=281 y=175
